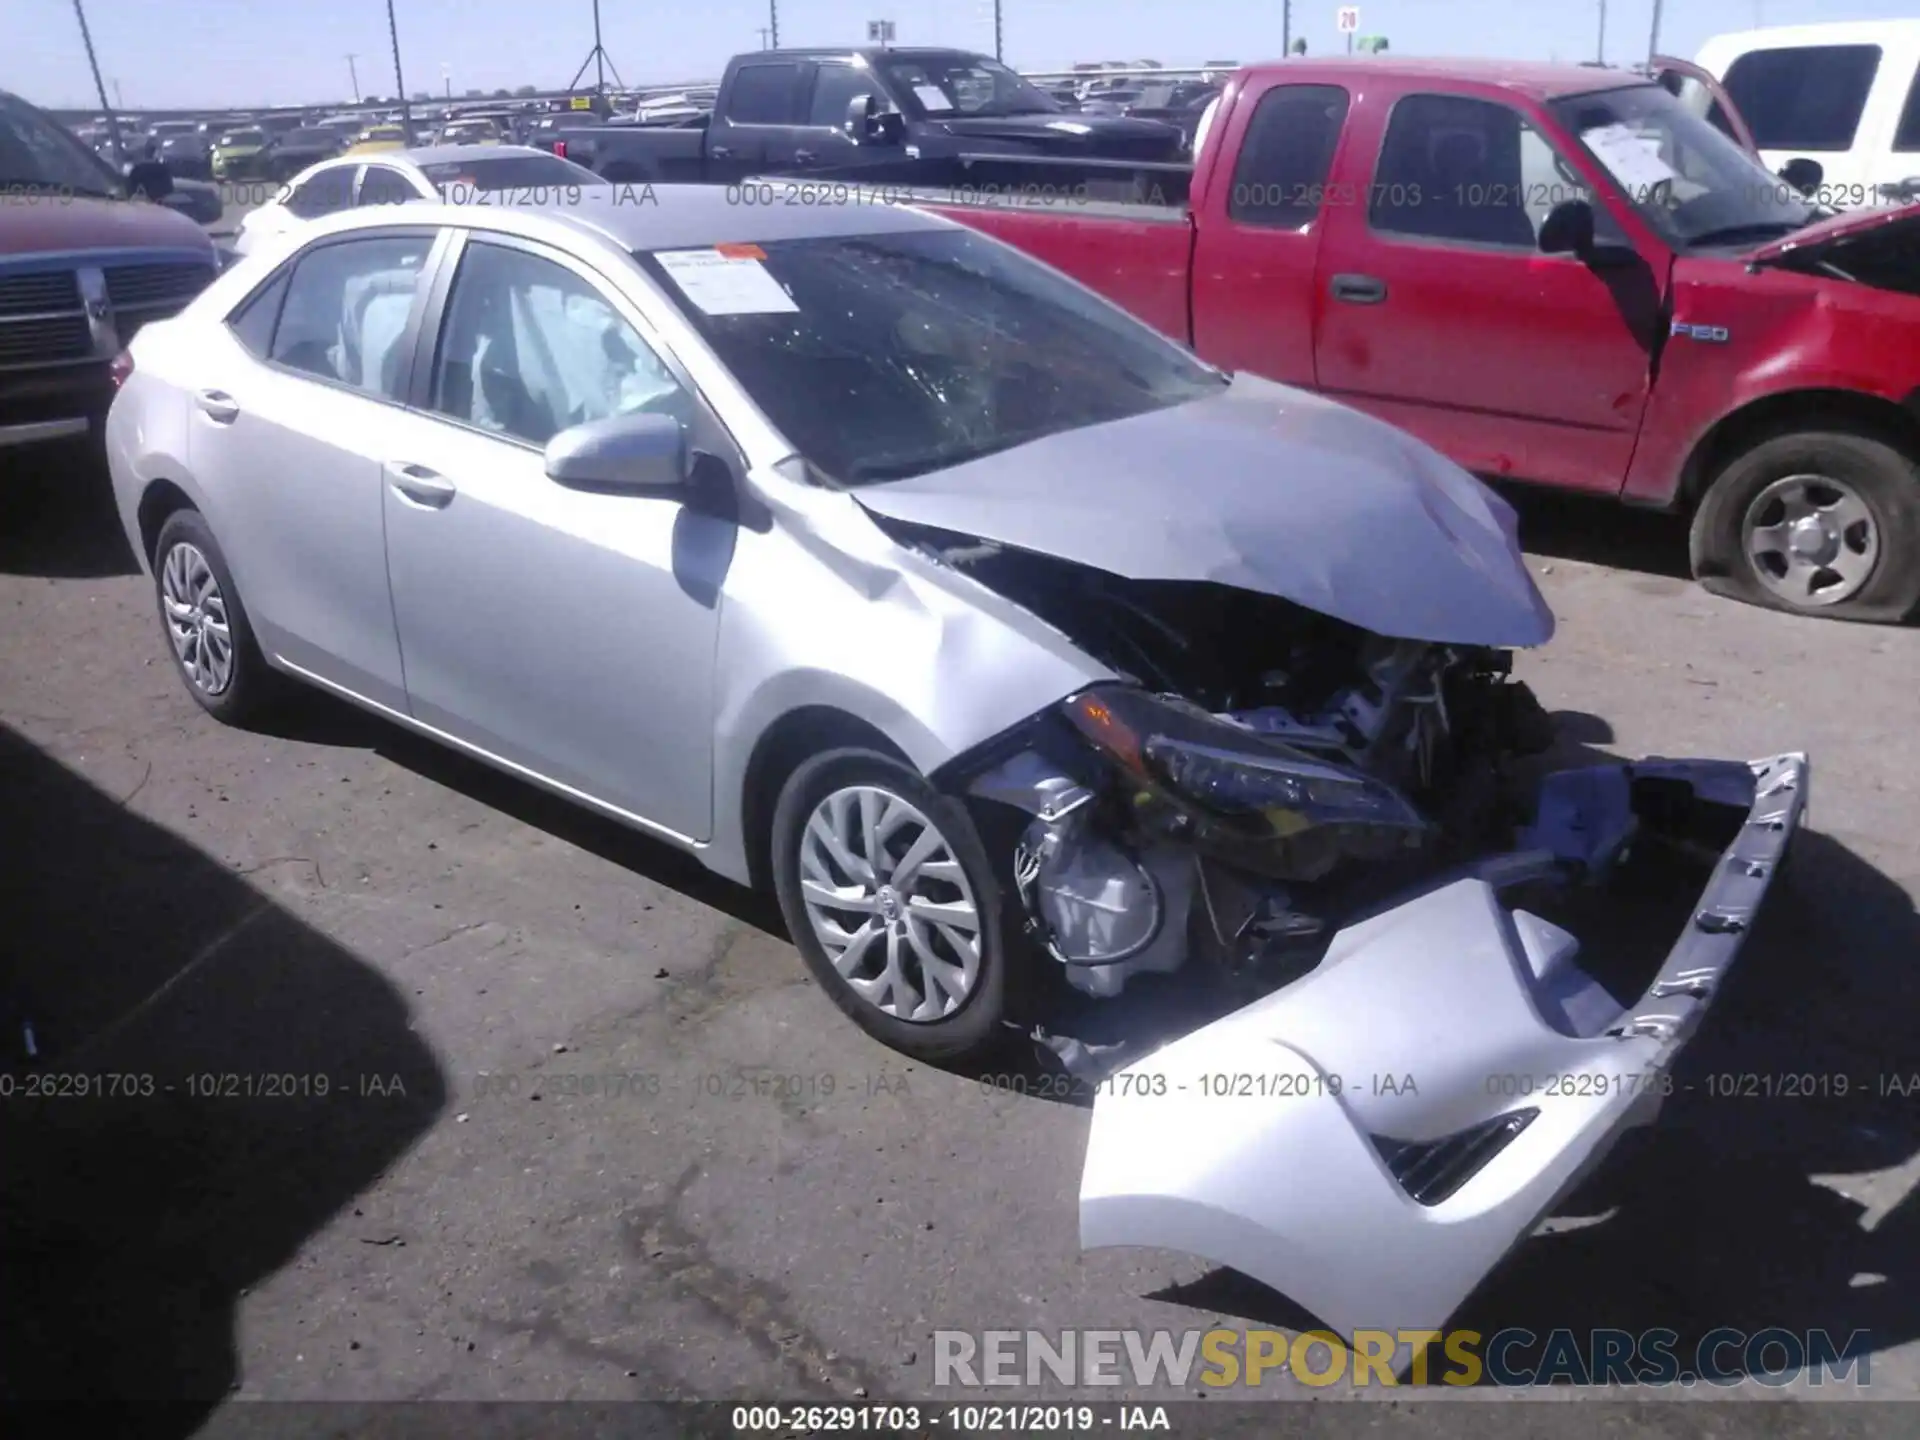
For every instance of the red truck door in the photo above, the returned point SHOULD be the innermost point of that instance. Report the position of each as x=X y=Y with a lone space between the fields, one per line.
x=1439 y=313
x=1259 y=226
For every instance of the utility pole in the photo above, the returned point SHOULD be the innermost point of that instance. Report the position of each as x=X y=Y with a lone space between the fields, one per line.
x=763 y=32
x=353 y=74
x=773 y=23
x=1653 y=37
x=399 y=80
x=1600 y=50
x=1286 y=27
x=93 y=63
x=996 y=32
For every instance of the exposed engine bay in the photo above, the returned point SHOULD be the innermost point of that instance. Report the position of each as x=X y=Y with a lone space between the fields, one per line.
x=1265 y=773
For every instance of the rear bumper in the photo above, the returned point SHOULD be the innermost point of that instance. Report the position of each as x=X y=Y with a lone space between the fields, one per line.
x=52 y=404
x=1373 y=1139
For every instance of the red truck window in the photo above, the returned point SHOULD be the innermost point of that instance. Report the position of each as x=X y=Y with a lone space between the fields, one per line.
x=1467 y=171
x=1281 y=176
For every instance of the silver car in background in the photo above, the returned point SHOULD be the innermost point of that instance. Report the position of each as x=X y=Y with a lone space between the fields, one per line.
x=1015 y=649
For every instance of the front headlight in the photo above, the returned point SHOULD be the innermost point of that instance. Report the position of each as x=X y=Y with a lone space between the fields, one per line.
x=1228 y=770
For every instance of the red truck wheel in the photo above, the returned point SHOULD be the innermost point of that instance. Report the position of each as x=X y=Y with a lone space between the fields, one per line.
x=1820 y=522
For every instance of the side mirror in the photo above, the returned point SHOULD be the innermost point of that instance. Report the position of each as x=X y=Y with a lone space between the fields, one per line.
x=637 y=454
x=1803 y=174
x=867 y=123
x=149 y=179
x=1568 y=229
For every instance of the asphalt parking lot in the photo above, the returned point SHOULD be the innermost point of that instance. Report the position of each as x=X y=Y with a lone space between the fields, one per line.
x=543 y=1168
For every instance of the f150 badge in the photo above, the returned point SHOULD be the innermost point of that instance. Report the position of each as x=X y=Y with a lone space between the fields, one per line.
x=1715 y=333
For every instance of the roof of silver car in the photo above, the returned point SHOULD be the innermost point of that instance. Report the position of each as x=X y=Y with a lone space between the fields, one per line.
x=670 y=217
x=449 y=154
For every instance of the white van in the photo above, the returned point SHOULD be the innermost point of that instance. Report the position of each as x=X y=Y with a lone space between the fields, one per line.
x=1842 y=95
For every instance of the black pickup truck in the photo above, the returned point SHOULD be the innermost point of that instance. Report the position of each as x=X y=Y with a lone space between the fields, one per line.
x=920 y=117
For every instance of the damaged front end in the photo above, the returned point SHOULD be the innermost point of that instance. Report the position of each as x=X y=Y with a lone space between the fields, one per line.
x=1360 y=839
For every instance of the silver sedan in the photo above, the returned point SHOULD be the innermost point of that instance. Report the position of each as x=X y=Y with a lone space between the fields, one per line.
x=881 y=565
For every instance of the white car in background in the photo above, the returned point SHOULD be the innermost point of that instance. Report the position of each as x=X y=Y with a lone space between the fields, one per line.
x=442 y=172
x=1844 y=95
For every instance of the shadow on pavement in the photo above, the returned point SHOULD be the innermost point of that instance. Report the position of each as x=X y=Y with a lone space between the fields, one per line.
x=56 y=513
x=1743 y=1206
x=141 y=1195
x=319 y=719
x=1600 y=531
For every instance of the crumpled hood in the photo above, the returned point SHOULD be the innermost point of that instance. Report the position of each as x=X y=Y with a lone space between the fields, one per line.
x=1262 y=487
x=1823 y=235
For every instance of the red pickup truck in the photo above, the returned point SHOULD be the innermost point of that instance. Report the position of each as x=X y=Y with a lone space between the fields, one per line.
x=1556 y=274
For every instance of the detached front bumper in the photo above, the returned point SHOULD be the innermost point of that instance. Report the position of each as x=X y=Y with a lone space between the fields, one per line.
x=1374 y=1138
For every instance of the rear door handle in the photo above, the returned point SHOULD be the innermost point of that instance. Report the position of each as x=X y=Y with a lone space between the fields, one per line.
x=419 y=485
x=218 y=406
x=1359 y=289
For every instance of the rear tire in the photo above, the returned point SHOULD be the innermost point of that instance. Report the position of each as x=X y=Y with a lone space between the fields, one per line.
x=206 y=626
x=1816 y=522
x=845 y=822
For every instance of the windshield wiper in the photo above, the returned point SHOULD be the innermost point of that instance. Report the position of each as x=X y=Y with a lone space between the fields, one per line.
x=1754 y=230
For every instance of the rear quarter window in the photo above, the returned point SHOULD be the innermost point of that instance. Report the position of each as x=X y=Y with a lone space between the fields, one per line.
x=1803 y=97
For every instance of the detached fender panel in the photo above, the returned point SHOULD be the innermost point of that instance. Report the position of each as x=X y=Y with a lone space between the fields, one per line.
x=1424 y=1060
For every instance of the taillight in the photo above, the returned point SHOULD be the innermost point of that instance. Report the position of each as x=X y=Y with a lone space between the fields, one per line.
x=560 y=149
x=120 y=368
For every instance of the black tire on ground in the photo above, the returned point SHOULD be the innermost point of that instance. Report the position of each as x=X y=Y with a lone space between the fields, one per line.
x=1885 y=479
x=979 y=1025
x=254 y=686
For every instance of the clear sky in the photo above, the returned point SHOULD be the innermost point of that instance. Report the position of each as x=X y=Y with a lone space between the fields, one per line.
x=178 y=53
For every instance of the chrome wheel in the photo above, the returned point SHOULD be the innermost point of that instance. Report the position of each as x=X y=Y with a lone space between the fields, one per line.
x=196 y=614
x=1811 y=540
x=890 y=904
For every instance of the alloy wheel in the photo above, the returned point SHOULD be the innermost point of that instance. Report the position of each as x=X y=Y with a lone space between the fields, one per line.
x=196 y=614
x=890 y=903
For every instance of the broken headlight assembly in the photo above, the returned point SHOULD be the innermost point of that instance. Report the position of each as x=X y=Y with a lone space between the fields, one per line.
x=1245 y=796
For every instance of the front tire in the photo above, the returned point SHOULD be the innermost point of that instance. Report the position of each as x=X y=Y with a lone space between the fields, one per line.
x=892 y=901
x=206 y=626
x=1817 y=522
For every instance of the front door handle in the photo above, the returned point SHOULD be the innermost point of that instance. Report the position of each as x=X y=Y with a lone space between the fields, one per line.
x=1359 y=289
x=420 y=485
x=720 y=152
x=805 y=157
x=218 y=406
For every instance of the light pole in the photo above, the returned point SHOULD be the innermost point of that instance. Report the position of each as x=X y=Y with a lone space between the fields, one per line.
x=1600 y=50
x=1653 y=36
x=399 y=80
x=773 y=23
x=93 y=63
x=353 y=74
x=996 y=31
x=1286 y=27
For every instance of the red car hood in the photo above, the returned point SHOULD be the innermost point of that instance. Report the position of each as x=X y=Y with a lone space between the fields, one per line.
x=1822 y=233
x=56 y=225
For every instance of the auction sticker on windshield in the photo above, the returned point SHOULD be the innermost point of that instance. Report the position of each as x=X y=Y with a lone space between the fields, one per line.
x=726 y=282
x=1634 y=160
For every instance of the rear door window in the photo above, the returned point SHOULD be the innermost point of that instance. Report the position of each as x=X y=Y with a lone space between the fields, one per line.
x=323 y=194
x=765 y=95
x=1803 y=97
x=346 y=310
x=1280 y=177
